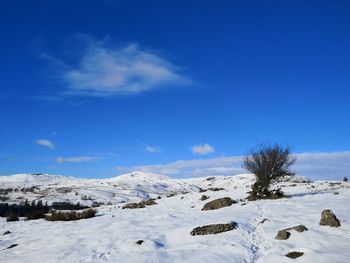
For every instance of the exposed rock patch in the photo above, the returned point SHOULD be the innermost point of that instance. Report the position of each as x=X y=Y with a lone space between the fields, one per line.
x=141 y=204
x=264 y=220
x=204 y=197
x=214 y=189
x=139 y=242
x=213 y=229
x=329 y=219
x=282 y=235
x=6 y=233
x=201 y=190
x=294 y=254
x=299 y=228
x=285 y=234
x=218 y=203
x=12 y=246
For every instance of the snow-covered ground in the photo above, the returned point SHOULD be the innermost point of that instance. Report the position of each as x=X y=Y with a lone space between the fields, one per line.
x=165 y=227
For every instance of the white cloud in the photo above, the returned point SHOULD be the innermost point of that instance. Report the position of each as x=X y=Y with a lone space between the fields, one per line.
x=202 y=149
x=317 y=166
x=153 y=149
x=77 y=159
x=193 y=168
x=103 y=70
x=328 y=165
x=46 y=143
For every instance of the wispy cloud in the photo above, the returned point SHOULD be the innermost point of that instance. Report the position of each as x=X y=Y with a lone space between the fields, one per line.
x=193 y=168
x=328 y=165
x=202 y=149
x=153 y=149
x=104 y=70
x=77 y=159
x=323 y=165
x=45 y=143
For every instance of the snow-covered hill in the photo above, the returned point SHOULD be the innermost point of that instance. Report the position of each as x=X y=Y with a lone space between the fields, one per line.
x=165 y=227
x=52 y=188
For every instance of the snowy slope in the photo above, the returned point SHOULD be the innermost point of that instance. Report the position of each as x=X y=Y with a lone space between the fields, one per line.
x=52 y=188
x=165 y=227
x=28 y=180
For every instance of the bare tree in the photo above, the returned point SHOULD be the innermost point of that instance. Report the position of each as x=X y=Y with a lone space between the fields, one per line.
x=269 y=163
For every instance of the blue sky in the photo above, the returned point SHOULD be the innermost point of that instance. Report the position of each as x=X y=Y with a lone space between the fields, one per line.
x=93 y=88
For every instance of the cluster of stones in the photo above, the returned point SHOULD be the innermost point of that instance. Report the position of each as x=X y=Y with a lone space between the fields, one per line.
x=327 y=219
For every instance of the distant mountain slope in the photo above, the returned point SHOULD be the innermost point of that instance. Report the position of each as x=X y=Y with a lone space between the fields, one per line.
x=52 y=188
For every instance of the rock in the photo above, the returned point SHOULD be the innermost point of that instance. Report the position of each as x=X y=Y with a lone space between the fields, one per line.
x=12 y=246
x=213 y=229
x=134 y=205
x=201 y=190
x=6 y=233
x=141 y=204
x=149 y=202
x=282 y=235
x=215 y=189
x=294 y=254
x=204 y=197
x=299 y=228
x=218 y=203
x=139 y=242
x=210 y=178
x=264 y=220
x=285 y=234
x=329 y=219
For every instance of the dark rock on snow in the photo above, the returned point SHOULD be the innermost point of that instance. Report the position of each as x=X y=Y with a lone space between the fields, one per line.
x=12 y=246
x=294 y=254
x=215 y=189
x=329 y=219
x=299 y=228
x=213 y=229
x=204 y=197
x=285 y=234
x=141 y=204
x=264 y=220
x=218 y=203
x=139 y=242
x=282 y=235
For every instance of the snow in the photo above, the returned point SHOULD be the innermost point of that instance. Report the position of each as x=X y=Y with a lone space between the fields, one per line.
x=129 y=187
x=165 y=227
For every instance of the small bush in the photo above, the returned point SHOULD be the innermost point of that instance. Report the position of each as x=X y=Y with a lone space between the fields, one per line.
x=12 y=217
x=35 y=215
x=70 y=215
x=269 y=164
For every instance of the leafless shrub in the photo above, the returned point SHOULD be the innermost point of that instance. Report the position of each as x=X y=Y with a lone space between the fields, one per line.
x=269 y=164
